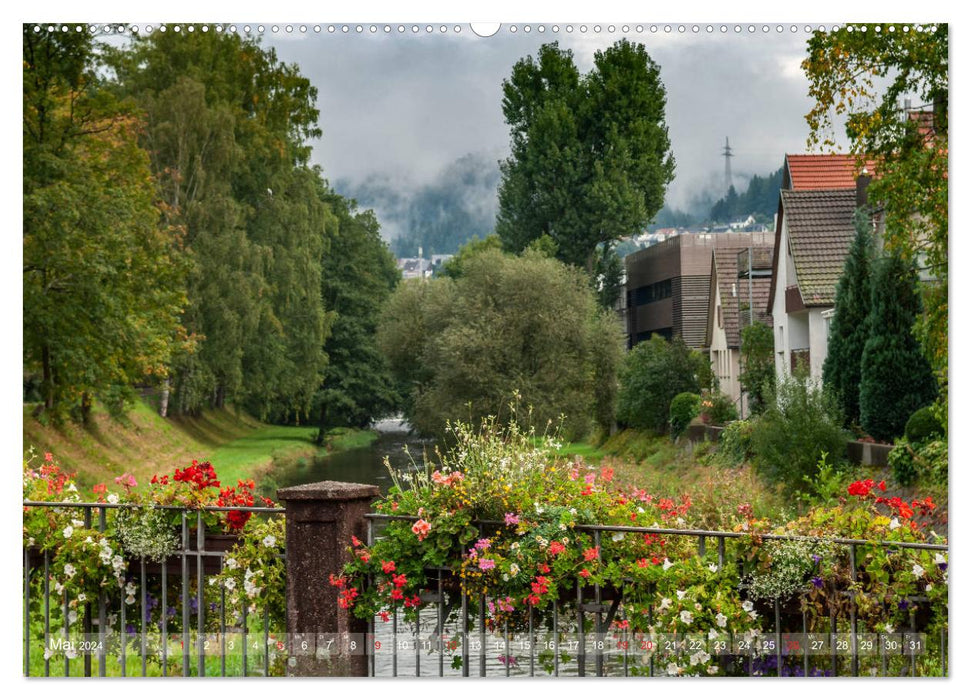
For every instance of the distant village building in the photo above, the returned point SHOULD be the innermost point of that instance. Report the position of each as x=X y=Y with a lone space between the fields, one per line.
x=669 y=284
x=814 y=229
x=414 y=268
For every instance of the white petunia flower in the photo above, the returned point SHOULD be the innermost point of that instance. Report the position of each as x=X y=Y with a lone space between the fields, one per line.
x=514 y=569
x=667 y=564
x=665 y=604
x=82 y=597
x=69 y=570
x=918 y=570
x=77 y=523
x=231 y=563
x=672 y=669
x=929 y=588
x=712 y=670
x=269 y=541
x=721 y=620
x=713 y=568
x=130 y=600
x=617 y=537
x=894 y=524
x=72 y=616
x=747 y=605
x=681 y=594
x=686 y=617
x=112 y=498
x=230 y=584
x=940 y=558
x=888 y=628
x=68 y=531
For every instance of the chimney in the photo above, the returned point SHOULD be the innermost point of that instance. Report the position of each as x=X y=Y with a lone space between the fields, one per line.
x=862 y=182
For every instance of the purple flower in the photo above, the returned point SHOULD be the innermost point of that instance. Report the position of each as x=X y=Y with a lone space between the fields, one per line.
x=511 y=660
x=130 y=628
x=817 y=558
x=817 y=582
x=903 y=605
x=512 y=519
x=170 y=611
x=942 y=566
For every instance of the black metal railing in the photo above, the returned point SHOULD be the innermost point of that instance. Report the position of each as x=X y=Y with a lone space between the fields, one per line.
x=452 y=631
x=190 y=635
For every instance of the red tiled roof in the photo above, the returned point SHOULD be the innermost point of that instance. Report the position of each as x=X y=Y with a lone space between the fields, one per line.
x=818 y=171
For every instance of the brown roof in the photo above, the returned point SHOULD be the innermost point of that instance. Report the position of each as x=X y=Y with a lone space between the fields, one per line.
x=820 y=225
x=819 y=171
x=726 y=272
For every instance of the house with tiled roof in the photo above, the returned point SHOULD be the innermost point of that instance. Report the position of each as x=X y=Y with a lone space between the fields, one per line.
x=740 y=281
x=814 y=229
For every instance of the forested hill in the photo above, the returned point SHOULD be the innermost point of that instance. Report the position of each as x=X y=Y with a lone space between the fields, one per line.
x=761 y=198
x=441 y=215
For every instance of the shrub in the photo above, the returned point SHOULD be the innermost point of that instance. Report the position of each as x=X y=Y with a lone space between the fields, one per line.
x=757 y=365
x=923 y=425
x=684 y=407
x=912 y=461
x=719 y=409
x=800 y=425
x=653 y=373
x=735 y=441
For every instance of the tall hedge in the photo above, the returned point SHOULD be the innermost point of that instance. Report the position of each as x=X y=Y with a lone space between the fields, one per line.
x=848 y=330
x=895 y=377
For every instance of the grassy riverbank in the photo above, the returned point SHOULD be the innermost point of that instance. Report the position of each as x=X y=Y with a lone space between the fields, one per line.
x=143 y=443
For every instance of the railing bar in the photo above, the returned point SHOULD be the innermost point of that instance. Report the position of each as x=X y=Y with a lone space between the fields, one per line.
x=532 y=641
x=913 y=628
x=394 y=642
x=652 y=593
x=141 y=627
x=122 y=628
x=465 y=634
x=370 y=624
x=581 y=647
x=222 y=630
x=599 y=618
x=102 y=607
x=505 y=634
x=186 y=622
x=200 y=590
x=832 y=627
x=441 y=629
x=47 y=609
x=855 y=659
x=86 y=625
x=482 y=642
x=697 y=533
x=244 y=652
x=27 y=613
x=805 y=649
x=165 y=618
x=778 y=637
x=417 y=628
x=204 y=509
x=556 y=641
x=67 y=635
x=721 y=552
x=266 y=641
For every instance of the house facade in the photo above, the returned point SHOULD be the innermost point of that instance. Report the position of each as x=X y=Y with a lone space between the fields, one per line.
x=740 y=280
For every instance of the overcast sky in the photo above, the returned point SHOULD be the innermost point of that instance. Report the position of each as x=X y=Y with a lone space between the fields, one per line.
x=406 y=105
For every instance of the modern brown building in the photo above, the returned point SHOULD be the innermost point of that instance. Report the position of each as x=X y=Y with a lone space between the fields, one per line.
x=669 y=285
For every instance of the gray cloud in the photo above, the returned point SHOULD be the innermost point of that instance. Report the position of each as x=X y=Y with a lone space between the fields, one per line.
x=406 y=106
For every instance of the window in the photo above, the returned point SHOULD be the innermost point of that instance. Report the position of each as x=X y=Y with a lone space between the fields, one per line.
x=652 y=292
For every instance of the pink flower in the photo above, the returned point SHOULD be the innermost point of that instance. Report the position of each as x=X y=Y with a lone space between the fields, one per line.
x=590 y=478
x=126 y=480
x=482 y=544
x=421 y=528
x=486 y=564
x=512 y=519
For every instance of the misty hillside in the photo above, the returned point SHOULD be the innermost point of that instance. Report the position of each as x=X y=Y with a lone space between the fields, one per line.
x=440 y=216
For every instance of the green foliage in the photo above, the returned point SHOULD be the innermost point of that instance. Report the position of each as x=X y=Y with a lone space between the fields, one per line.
x=919 y=461
x=527 y=326
x=454 y=266
x=895 y=377
x=923 y=425
x=590 y=155
x=760 y=198
x=358 y=277
x=652 y=374
x=849 y=327
x=801 y=424
x=792 y=562
x=718 y=409
x=146 y=532
x=684 y=407
x=102 y=282
x=757 y=375
x=228 y=129
x=735 y=441
x=864 y=75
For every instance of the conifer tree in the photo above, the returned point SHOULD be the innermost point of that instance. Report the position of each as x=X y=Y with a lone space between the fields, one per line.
x=895 y=377
x=848 y=329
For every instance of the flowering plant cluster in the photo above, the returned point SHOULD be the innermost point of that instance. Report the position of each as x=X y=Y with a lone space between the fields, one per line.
x=513 y=525
x=84 y=562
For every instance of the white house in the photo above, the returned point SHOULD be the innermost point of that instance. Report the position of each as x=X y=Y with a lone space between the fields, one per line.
x=813 y=236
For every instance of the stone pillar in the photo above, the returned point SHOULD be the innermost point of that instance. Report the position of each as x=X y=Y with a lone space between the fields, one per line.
x=321 y=518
